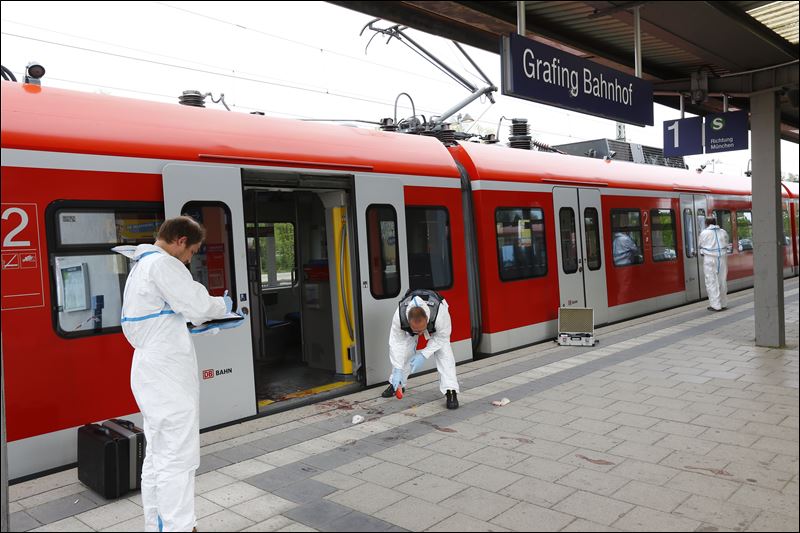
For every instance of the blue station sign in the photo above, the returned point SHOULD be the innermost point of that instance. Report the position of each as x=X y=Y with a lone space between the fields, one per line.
x=540 y=73
x=683 y=137
x=726 y=132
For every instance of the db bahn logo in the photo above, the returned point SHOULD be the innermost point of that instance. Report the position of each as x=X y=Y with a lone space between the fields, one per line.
x=210 y=372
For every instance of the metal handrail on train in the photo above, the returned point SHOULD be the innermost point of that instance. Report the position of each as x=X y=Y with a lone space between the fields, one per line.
x=342 y=279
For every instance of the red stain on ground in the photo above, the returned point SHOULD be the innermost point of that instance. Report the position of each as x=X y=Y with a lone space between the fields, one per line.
x=602 y=462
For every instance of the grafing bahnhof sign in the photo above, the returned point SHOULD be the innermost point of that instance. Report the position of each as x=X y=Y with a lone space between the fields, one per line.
x=544 y=74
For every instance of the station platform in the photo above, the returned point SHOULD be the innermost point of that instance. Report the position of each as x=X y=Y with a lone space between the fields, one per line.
x=673 y=422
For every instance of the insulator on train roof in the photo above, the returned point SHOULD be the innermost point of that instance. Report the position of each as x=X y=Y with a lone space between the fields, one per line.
x=445 y=136
x=192 y=98
x=519 y=136
x=489 y=139
x=519 y=126
x=387 y=124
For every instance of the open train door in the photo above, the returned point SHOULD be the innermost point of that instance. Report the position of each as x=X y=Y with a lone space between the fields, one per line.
x=383 y=265
x=693 y=221
x=581 y=270
x=213 y=196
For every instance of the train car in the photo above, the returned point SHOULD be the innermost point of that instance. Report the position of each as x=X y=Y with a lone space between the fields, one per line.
x=319 y=230
x=791 y=223
x=546 y=226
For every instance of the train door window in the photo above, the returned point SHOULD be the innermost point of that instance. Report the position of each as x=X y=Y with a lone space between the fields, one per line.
x=275 y=246
x=787 y=228
x=213 y=265
x=725 y=221
x=569 y=240
x=688 y=233
x=797 y=221
x=429 y=255
x=626 y=231
x=383 y=251
x=744 y=225
x=521 y=247
x=87 y=278
x=701 y=220
x=662 y=232
x=591 y=223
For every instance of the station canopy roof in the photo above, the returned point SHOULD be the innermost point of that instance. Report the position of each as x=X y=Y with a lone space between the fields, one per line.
x=742 y=47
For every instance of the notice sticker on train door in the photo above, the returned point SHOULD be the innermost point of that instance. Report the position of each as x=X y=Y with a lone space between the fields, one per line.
x=22 y=277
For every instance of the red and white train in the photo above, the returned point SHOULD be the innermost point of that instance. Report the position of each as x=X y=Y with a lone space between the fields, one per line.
x=318 y=230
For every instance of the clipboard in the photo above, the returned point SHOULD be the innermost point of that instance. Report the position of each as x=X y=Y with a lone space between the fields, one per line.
x=229 y=317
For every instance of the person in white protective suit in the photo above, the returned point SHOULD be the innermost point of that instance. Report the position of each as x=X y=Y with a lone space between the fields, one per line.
x=713 y=246
x=160 y=298
x=422 y=312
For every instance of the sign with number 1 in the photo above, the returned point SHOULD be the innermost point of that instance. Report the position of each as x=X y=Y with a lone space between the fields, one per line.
x=683 y=137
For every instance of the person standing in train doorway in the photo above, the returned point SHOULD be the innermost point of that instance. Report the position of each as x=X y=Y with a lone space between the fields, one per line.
x=713 y=245
x=422 y=312
x=160 y=298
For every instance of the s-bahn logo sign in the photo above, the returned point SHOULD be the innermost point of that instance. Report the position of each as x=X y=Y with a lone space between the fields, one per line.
x=541 y=73
x=721 y=132
x=726 y=132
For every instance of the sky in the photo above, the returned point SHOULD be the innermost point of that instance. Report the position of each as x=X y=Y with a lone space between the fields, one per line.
x=287 y=59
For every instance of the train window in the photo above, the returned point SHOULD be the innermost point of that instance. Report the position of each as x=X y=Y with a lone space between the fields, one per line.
x=213 y=265
x=569 y=240
x=275 y=251
x=787 y=228
x=725 y=221
x=662 y=233
x=81 y=227
x=87 y=279
x=626 y=229
x=383 y=251
x=591 y=225
x=688 y=233
x=744 y=225
x=429 y=255
x=521 y=247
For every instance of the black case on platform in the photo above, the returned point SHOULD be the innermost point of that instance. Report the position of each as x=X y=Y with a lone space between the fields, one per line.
x=110 y=457
x=103 y=464
x=136 y=447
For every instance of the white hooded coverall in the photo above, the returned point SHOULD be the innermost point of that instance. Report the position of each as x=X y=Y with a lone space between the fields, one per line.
x=403 y=346
x=713 y=246
x=160 y=297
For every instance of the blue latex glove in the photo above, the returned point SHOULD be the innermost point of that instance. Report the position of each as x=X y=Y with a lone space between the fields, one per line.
x=228 y=302
x=417 y=361
x=397 y=378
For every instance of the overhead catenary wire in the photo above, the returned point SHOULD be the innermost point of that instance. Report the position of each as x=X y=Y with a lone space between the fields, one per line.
x=299 y=43
x=285 y=83
x=280 y=83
